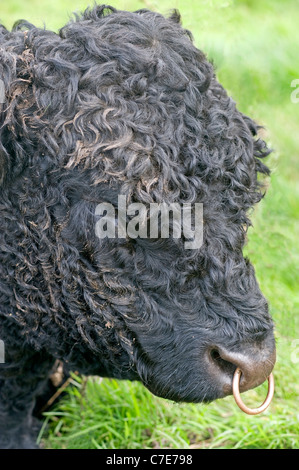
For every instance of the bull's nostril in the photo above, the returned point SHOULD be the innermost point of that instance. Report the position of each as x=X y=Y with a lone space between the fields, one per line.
x=215 y=354
x=225 y=366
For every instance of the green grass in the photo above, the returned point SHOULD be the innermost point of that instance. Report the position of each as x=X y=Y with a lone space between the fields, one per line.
x=254 y=46
x=123 y=415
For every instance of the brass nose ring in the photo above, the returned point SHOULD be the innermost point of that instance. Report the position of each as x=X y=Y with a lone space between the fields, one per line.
x=239 y=401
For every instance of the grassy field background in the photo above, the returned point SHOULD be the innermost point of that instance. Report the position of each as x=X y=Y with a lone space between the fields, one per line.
x=254 y=47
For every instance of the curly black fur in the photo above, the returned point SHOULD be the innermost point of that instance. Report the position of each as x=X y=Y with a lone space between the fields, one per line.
x=119 y=103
